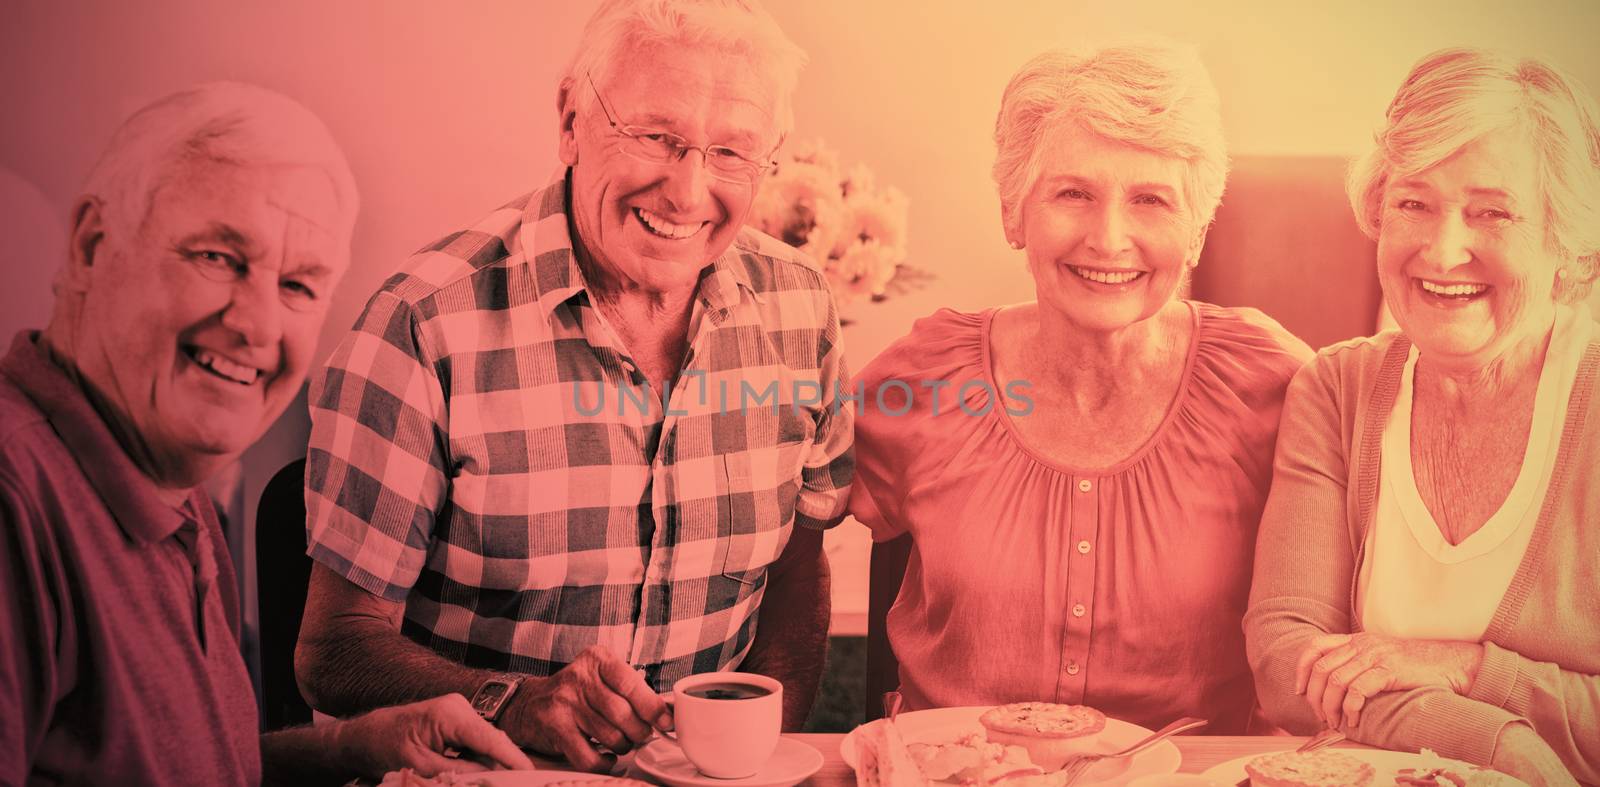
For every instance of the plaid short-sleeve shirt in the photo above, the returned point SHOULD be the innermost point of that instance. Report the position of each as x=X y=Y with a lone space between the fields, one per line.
x=484 y=449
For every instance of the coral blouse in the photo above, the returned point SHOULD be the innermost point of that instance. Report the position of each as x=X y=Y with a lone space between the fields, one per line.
x=1121 y=588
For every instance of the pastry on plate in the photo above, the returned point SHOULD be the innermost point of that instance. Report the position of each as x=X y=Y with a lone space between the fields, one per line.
x=1432 y=770
x=1050 y=732
x=1322 y=768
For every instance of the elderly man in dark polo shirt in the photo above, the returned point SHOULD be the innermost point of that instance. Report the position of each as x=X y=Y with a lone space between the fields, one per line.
x=201 y=260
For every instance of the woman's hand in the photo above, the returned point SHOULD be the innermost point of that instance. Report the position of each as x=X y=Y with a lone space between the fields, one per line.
x=1523 y=754
x=1338 y=673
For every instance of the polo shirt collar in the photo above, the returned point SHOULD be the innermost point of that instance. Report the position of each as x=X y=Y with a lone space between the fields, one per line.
x=129 y=494
x=547 y=244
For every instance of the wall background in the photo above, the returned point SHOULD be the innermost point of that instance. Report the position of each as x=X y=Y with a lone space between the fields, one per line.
x=447 y=110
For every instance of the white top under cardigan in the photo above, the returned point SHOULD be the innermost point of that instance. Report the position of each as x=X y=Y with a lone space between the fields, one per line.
x=1415 y=584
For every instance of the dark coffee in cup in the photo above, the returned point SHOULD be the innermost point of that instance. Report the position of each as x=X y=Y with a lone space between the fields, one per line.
x=728 y=691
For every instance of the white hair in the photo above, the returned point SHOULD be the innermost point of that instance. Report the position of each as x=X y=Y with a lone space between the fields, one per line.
x=1154 y=95
x=1454 y=97
x=739 y=27
x=223 y=122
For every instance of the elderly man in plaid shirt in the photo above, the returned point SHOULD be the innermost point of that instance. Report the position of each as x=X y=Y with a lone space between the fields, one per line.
x=588 y=446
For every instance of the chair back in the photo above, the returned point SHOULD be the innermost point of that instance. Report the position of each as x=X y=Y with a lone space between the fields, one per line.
x=883 y=585
x=283 y=572
x=1285 y=242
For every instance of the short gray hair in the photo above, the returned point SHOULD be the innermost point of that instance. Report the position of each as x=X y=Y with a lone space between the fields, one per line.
x=1454 y=97
x=224 y=122
x=740 y=27
x=1154 y=95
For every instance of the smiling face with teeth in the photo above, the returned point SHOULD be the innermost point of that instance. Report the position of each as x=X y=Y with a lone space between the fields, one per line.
x=1107 y=234
x=197 y=325
x=652 y=227
x=1462 y=253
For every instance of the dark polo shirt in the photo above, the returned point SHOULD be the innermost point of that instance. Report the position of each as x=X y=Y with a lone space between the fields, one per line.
x=119 y=623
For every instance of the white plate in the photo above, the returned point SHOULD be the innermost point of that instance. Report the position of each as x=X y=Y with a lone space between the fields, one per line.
x=1387 y=764
x=941 y=725
x=792 y=762
x=531 y=778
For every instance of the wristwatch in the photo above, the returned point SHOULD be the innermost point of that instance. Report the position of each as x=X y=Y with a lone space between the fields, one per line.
x=492 y=696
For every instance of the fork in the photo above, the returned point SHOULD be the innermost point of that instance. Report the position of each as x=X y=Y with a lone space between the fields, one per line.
x=1076 y=766
x=891 y=704
x=1321 y=740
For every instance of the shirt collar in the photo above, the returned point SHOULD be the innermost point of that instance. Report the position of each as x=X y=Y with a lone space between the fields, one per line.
x=548 y=245
x=129 y=494
x=547 y=241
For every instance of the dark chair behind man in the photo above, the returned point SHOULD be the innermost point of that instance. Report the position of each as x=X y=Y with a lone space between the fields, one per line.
x=283 y=570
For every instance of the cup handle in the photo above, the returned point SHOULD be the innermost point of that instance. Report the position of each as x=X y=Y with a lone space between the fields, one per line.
x=669 y=699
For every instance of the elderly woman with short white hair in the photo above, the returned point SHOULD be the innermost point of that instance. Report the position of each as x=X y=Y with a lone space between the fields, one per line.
x=1429 y=563
x=1081 y=476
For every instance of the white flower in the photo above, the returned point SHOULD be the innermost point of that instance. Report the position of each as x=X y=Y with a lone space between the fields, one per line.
x=855 y=230
x=874 y=217
x=800 y=205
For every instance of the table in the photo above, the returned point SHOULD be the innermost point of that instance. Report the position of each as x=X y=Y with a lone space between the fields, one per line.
x=1200 y=752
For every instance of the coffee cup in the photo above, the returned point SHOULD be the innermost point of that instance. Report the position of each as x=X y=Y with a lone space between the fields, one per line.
x=727 y=723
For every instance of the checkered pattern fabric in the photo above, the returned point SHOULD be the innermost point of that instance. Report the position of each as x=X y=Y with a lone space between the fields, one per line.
x=484 y=449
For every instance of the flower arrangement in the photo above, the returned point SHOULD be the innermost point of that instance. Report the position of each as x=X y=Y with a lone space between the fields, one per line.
x=842 y=219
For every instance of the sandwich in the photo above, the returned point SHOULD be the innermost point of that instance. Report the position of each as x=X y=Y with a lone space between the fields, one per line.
x=882 y=759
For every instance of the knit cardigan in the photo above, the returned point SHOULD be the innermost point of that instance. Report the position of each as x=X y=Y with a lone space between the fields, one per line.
x=1542 y=647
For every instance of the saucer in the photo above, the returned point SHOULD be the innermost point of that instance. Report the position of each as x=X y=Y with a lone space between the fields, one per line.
x=792 y=762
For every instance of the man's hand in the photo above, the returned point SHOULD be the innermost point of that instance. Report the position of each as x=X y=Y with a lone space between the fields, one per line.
x=1337 y=673
x=1523 y=754
x=415 y=736
x=598 y=696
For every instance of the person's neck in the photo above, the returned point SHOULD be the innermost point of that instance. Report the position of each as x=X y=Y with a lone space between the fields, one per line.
x=1093 y=368
x=1467 y=388
x=173 y=477
x=633 y=302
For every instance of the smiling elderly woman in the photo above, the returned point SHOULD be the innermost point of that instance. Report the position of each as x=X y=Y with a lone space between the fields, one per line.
x=1426 y=574
x=1086 y=538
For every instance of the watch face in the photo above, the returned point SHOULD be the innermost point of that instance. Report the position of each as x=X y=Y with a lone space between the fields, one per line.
x=490 y=695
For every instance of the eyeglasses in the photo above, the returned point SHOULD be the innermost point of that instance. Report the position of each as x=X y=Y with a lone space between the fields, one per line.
x=664 y=147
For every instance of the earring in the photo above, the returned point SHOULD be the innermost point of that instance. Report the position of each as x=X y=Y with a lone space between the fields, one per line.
x=1561 y=273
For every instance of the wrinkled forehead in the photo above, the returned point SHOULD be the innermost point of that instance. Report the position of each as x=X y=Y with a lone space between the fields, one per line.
x=1505 y=160
x=289 y=201
x=708 y=90
x=1068 y=149
x=284 y=217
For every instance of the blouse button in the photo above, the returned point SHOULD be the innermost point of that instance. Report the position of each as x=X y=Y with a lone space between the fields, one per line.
x=1084 y=485
x=1078 y=610
x=1083 y=547
x=1072 y=668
